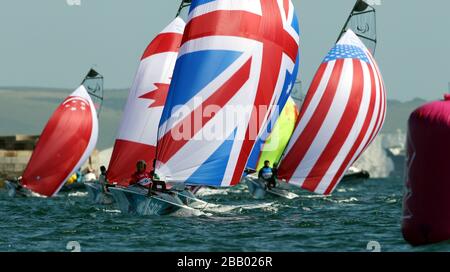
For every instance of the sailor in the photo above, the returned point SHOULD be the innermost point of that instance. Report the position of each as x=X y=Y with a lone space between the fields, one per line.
x=79 y=175
x=141 y=177
x=17 y=183
x=102 y=179
x=274 y=178
x=147 y=179
x=266 y=174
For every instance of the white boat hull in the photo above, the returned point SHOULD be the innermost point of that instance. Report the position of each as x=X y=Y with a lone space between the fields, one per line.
x=136 y=201
x=256 y=188
x=187 y=197
x=96 y=194
x=355 y=174
x=13 y=191
x=259 y=190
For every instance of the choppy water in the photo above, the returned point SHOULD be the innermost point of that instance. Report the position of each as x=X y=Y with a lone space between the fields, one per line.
x=356 y=214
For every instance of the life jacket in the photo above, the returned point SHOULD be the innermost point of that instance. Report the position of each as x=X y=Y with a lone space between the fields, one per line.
x=266 y=173
x=142 y=178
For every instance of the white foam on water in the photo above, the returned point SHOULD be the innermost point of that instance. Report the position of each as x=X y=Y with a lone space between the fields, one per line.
x=344 y=201
x=204 y=191
x=391 y=201
x=209 y=192
x=111 y=211
x=349 y=200
x=314 y=196
x=189 y=213
x=218 y=208
x=257 y=206
x=78 y=194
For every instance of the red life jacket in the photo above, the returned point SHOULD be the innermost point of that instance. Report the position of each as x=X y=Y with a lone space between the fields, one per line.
x=140 y=177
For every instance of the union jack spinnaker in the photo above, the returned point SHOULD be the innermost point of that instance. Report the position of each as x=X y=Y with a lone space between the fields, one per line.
x=234 y=55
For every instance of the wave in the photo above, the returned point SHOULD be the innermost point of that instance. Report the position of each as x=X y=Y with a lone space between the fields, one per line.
x=190 y=213
x=204 y=191
x=78 y=194
x=221 y=208
x=111 y=211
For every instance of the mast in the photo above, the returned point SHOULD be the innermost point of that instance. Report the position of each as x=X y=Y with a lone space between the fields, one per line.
x=93 y=82
x=184 y=4
x=362 y=20
x=297 y=94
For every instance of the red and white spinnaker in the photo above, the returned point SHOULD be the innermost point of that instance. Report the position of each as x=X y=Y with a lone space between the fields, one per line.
x=65 y=144
x=137 y=136
x=343 y=112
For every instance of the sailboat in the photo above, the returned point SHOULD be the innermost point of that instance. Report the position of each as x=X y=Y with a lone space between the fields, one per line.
x=362 y=20
x=93 y=83
x=355 y=174
x=68 y=139
x=272 y=151
x=137 y=136
x=233 y=60
x=343 y=112
x=273 y=139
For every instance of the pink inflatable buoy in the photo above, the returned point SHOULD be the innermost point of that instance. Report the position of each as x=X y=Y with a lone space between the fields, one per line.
x=426 y=203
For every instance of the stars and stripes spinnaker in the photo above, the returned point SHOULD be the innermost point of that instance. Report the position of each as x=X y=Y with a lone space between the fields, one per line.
x=343 y=111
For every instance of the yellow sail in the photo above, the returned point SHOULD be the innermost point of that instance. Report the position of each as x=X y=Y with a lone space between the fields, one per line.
x=281 y=133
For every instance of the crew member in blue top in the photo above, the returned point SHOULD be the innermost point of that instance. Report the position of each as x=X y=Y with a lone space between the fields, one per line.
x=267 y=174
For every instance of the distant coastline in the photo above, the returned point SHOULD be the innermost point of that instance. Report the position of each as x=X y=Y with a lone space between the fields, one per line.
x=24 y=110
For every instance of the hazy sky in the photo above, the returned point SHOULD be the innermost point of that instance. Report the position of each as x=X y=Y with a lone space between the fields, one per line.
x=48 y=43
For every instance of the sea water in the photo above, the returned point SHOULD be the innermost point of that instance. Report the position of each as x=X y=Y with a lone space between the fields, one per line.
x=358 y=216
